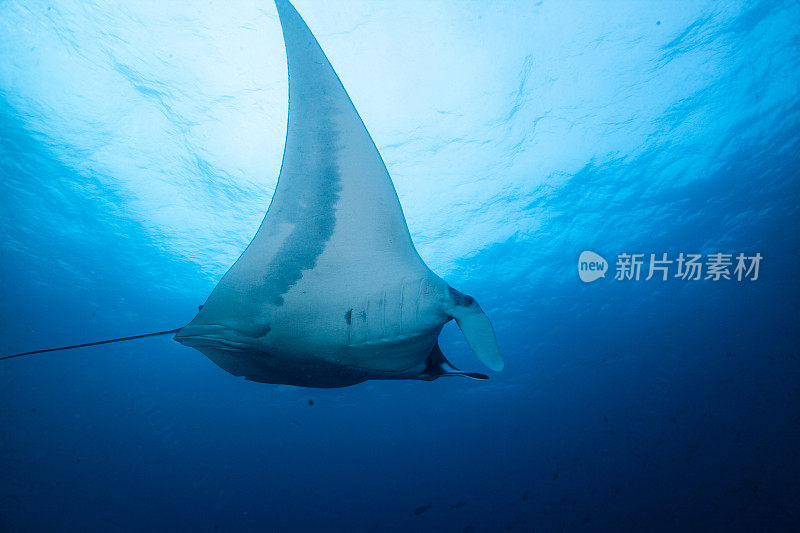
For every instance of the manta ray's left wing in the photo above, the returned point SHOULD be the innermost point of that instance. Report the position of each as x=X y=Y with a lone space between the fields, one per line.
x=334 y=195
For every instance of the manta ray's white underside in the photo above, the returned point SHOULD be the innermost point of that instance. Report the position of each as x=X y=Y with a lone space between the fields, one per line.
x=331 y=290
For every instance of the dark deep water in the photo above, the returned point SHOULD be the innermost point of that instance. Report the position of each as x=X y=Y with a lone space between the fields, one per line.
x=624 y=405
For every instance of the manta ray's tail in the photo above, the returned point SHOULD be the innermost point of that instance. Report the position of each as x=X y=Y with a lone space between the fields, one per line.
x=95 y=343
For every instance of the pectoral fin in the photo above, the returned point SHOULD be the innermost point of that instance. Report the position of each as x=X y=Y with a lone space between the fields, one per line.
x=477 y=329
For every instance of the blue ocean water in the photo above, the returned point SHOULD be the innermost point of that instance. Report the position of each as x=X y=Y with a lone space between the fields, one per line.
x=139 y=147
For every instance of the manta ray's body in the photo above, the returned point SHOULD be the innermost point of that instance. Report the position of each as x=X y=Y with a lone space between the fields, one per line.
x=331 y=291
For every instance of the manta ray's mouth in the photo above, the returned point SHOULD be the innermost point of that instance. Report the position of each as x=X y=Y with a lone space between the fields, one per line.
x=198 y=341
x=213 y=335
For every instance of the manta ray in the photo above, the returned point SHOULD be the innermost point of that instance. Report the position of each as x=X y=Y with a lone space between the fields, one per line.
x=331 y=291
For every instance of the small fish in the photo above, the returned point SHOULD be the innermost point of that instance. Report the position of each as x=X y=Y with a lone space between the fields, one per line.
x=419 y=510
x=458 y=505
x=525 y=496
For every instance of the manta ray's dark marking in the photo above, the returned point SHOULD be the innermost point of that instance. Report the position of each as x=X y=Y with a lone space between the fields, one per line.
x=313 y=214
x=261 y=331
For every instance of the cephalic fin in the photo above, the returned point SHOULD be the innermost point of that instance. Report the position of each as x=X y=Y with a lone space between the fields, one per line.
x=437 y=366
